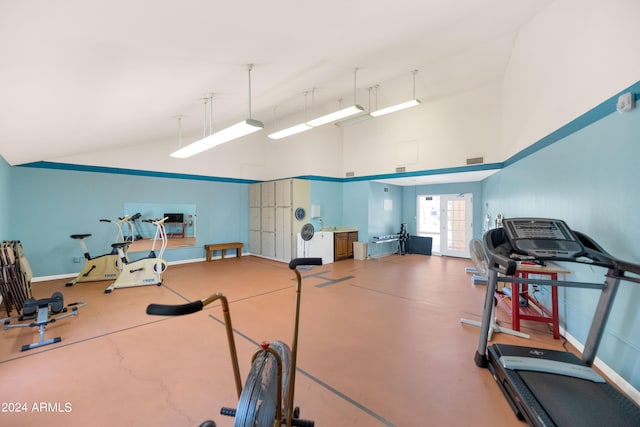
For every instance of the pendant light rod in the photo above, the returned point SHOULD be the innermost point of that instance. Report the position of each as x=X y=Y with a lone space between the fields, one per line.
x=355 y=86
x=205 y=101
x=249 y=68
x=179 y=118
x=210 y=113
x=414 y=72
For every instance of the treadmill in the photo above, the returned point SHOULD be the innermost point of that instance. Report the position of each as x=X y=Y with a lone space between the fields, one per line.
x=547 y=387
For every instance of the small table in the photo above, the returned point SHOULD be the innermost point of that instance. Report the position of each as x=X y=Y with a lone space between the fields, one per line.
x=534 y=311
x=179 y=226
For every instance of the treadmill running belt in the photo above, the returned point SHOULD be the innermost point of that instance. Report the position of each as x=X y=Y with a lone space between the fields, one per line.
x=577 y=402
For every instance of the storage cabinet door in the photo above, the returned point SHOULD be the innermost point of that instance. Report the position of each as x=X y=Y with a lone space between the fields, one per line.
x=268 y=194
x=255 y=246
x=254 y=219
x=283 y=193
x=341 y=250
x=283 y=234
x=255 y=195
x=268 y=244
x=269 y=219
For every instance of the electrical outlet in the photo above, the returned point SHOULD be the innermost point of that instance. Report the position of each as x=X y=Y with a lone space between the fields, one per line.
x=77 y=260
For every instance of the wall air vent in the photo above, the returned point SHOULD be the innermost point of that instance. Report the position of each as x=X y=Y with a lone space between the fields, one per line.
x=401 y=169
x=350 y=174
x=475 y=160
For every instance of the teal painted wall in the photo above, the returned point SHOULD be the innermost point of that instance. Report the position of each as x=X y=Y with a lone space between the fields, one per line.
x=590 y=179
x=327 y=195
x=48 y=205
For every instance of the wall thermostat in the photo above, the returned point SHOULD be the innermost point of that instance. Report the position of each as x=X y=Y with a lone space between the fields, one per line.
x=626 y=102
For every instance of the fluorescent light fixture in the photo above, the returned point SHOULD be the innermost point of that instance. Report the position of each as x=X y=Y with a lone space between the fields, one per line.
x=335 y=116
x=238 y=130
x=394 y=108
x=353 y=120
x=190 y=150
x=289 y=131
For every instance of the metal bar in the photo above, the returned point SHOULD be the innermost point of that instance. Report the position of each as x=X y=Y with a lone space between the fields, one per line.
x=481 y=354
x=603 y=309
x=568 y=284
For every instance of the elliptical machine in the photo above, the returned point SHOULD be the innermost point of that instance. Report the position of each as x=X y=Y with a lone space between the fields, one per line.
x=144 y=271
x=102 y=267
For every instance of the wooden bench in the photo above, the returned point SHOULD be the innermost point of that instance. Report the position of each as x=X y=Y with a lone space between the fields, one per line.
x=222 y=247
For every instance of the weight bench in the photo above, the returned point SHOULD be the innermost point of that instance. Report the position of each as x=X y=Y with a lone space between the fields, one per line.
x=41 y=312
x=222 y=247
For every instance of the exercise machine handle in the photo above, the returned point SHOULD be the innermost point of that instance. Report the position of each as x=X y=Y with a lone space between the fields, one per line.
x=188 y=308
x=174 y=310
x=192 y=307
x=304 y=261
x=298 y=422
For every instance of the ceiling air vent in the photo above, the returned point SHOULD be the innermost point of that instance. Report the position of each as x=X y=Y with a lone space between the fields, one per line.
x=401 y=169
x=475 y=160
x=350 y=174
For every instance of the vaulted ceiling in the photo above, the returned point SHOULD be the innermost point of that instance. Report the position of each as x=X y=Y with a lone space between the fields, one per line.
x=80 y=76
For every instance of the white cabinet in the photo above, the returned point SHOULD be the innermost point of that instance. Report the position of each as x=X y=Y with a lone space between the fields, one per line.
x=255 y=220
x=283 y=193
x=255 y=196
x=283 y=233
x=255 y=241
x=272 y=222
x=268 y=196
x=268 y=240
x=268 y=219
x=320 y=246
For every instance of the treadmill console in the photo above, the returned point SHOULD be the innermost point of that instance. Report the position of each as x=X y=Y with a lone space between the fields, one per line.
x=542 y=238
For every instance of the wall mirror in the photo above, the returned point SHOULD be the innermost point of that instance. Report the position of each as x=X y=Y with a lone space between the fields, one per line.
x=180 y=227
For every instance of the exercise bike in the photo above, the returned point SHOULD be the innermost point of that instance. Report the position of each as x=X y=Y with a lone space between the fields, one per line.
x=267 y=397
x=145 y=271
x=42 y=310
x=102 y=267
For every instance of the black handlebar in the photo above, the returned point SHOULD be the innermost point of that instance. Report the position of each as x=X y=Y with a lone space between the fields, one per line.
x=174 y=310
x=304 y=261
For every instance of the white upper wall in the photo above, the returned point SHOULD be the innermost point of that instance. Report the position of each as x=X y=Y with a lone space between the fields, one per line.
x=574 y=55
x=571 y=57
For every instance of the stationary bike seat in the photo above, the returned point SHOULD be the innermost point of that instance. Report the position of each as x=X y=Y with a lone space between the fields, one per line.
x=79 y=236
x=120 y=244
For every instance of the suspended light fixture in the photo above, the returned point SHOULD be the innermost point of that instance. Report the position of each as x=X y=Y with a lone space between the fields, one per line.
x=402 y=106
x=302 y=127
x=360 y=118
x=342 y=113
x=238 y=130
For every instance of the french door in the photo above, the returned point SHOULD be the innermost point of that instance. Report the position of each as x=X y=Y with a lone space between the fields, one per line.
x=447 y=219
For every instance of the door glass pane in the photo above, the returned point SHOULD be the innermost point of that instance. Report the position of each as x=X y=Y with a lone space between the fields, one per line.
x=456 y=225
